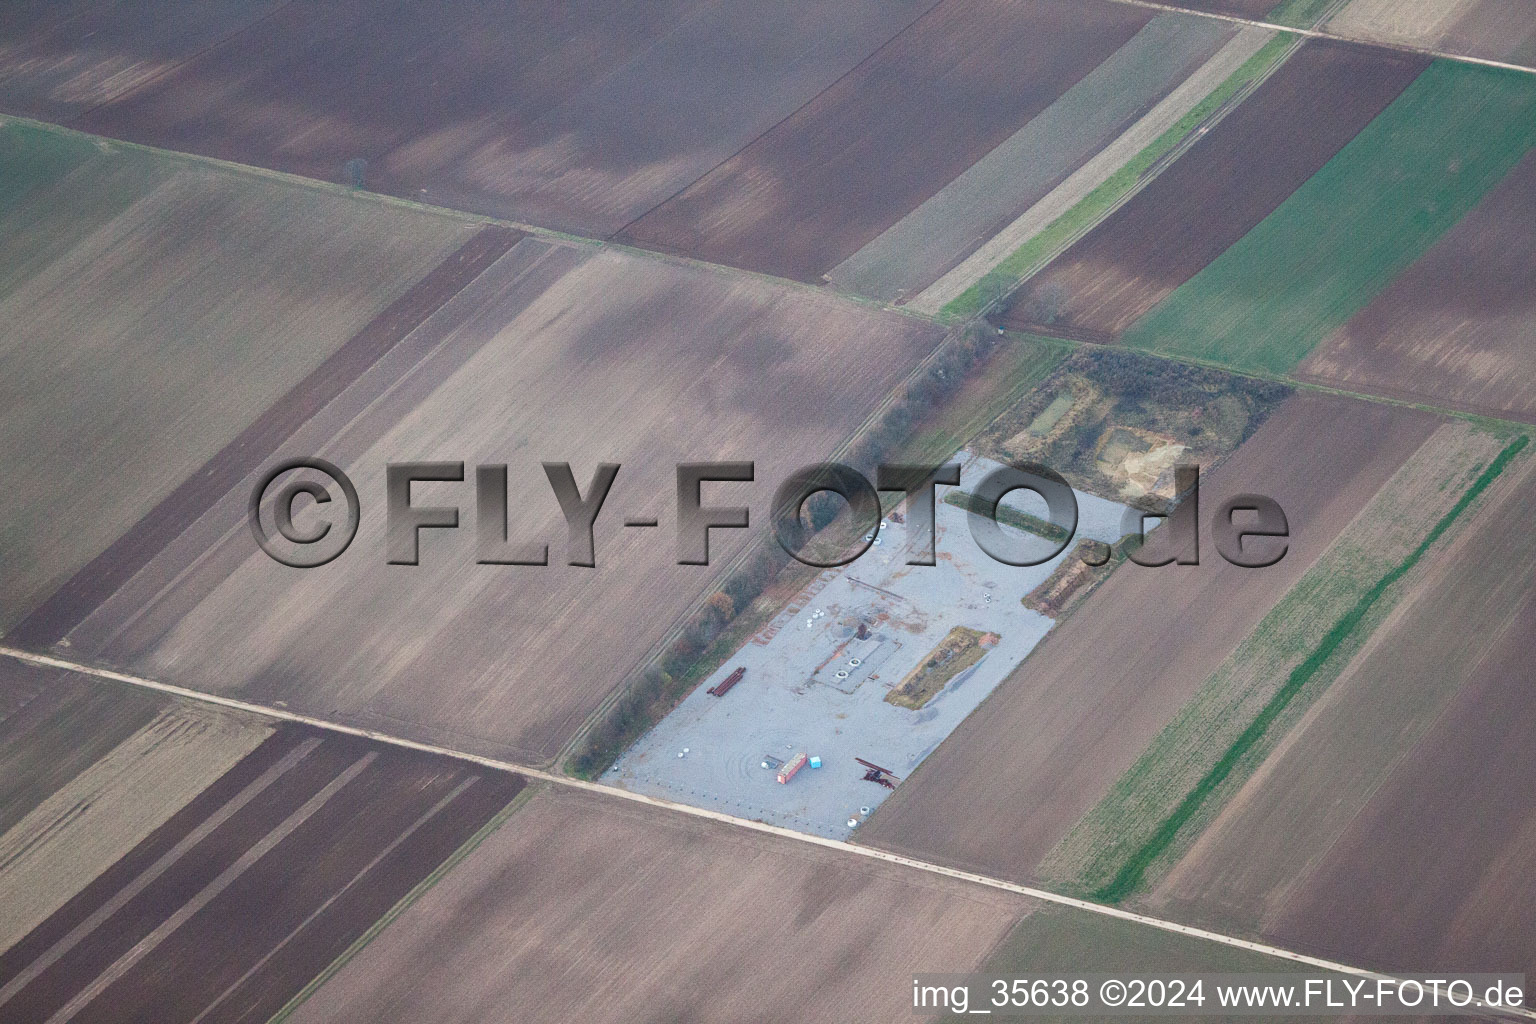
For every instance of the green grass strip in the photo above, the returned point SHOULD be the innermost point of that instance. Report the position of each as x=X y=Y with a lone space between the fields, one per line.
x=1009 y=516
x=1301 y=13
x=1356 y=224
x=31 y=158
x=1098 y=203
x=1130 y=876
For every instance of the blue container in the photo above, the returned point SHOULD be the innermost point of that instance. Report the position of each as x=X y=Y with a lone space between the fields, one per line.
x=815 y=762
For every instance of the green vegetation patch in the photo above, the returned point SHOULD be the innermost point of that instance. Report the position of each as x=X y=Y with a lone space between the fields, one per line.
x=1114 y=422
x=32 y=157
x=1303 y=13
x=958 y=651
x=1355 y=225
x=1222 y=735
x=1008 y=516
x=1099 y=203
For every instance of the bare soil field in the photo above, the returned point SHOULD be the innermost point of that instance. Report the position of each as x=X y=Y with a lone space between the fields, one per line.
x=1013 y=779
x=1452 y=622
x=1501 y=29
x=552 y=354
x=229 y=908
x=1241 y=8
x=995 y=190
x=130 y=552
x=58 y=727
x=132 y=281
x=1463 y=899
x=1455 y=328
x=1495 y=29
x=690 y=920
x=83 y=827
x=1420 y=736
x=1227 y=182
x=575 y=116
x=870 y=149
x=1291 y=659
x=58 y=60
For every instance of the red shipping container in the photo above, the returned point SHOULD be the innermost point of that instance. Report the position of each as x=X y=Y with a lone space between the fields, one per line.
x=791 y=766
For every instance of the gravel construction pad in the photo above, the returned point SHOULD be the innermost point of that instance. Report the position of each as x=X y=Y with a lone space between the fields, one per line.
x=791 y=700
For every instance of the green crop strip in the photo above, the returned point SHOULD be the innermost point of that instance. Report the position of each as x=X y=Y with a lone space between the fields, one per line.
x=1365 y=217
x=1009 y=517
x=1103 y=199
x=1301 y=13
x=1130 y=876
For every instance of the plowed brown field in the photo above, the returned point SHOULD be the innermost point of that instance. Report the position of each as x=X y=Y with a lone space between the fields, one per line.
x=1212 y=195
x=1009 y=783
x=578 y=116
x=1456 y=328
x=905 y=123
x=587 y=908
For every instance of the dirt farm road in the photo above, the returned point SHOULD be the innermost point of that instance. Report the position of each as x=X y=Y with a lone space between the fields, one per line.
x=755 y=826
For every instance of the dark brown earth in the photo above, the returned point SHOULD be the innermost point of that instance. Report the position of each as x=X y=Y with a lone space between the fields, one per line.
x=1457 y=327
x=278 y=920
x=127 y=868
x=554 y=353
x=255 y=445
x=1211 y=196
x=1241 y=8
x=906 y=122
x=1436 y=871
x=589 y=908
x=60 y=725
x=577 y=116
x=1008 y=784
x=63 y=57
x=1500 y=29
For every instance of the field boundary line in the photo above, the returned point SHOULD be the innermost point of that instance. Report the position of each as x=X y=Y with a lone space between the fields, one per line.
x=846 y=848
x=933 y=6
x=1143 y=181
x=1314 y=33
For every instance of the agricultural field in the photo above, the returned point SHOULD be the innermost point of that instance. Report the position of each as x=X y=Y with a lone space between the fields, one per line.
x=1240 y=8
x=1282 y=666
x=1115 y=423
x=827 y=181
x=89 y=772
x=824 y=675
x=1015 y=777
x=1324 y=847
x=1495 y=29
x=1230 y=179
x=554 y=353
x=1091 y=117
x=579 y=116
x=1400 y=184
x=129 y=280
x=59 y=60
x=211 y=863
x=772 y=929
x=1454 y=329
x=1103 y=181
x=486 y=765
